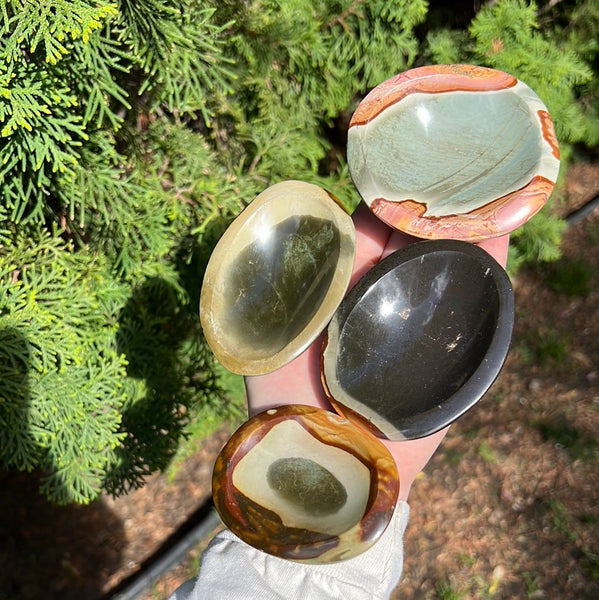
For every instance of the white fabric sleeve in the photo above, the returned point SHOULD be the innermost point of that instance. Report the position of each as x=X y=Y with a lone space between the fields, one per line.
x=230 y=569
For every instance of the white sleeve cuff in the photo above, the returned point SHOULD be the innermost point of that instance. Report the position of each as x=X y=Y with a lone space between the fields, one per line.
x=232 y=570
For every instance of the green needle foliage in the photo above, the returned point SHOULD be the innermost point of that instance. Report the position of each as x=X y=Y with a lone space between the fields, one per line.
x=133 y=131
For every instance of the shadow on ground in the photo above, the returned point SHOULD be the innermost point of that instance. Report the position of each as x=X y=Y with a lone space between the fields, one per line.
x=44 y=548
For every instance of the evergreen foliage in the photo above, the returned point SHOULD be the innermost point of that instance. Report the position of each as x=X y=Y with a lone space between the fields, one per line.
x=102 y=358
x=133 y=131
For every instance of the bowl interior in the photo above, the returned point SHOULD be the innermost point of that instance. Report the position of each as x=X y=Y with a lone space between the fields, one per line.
x=453 y=151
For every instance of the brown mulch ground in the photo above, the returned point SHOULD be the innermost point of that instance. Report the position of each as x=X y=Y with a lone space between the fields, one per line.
x=84 y=552
x=507 y=508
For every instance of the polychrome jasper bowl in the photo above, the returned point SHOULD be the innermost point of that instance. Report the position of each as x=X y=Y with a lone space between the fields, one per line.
x=419 y=339
x=276 y=276
x=453 y=151
x=304 y=484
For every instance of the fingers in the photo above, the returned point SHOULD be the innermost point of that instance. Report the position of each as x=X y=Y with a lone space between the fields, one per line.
x=397 y=241
x=372 y=235
x=375 y=241
x=497 y=248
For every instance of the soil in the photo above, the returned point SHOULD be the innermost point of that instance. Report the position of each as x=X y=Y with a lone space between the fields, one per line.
x=507 y=508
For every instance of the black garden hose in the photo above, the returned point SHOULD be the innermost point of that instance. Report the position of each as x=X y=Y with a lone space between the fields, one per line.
x=197 y=527
x=584 y=211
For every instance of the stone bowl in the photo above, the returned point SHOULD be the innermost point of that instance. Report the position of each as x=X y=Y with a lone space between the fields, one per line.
x=275 y=277
x=302 y=483
x=419 y=339
x=453 y=151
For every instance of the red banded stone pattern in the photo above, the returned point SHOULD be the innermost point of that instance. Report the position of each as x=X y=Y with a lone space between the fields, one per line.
x=453 y=151
x=303 y=484
x=424 y=80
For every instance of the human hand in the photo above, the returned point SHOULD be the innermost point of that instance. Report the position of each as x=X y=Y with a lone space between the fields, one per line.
x=299 y=381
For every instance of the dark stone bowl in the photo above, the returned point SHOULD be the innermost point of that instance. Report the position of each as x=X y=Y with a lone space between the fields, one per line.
x=419 y=339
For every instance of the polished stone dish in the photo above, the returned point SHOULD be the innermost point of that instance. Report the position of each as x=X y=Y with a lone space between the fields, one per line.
x=419 y=339
x=303 y=483
x=453 y=151
x=276 y=276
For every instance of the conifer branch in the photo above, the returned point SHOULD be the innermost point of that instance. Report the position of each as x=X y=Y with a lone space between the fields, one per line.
x=349 y=11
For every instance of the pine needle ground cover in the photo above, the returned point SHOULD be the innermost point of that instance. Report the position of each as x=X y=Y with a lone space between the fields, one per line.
x=131 y=133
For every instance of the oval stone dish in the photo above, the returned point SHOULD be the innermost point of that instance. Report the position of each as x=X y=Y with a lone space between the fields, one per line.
x=453 y=151
x=419 y=339
x=275 y=277
x=304 y=484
